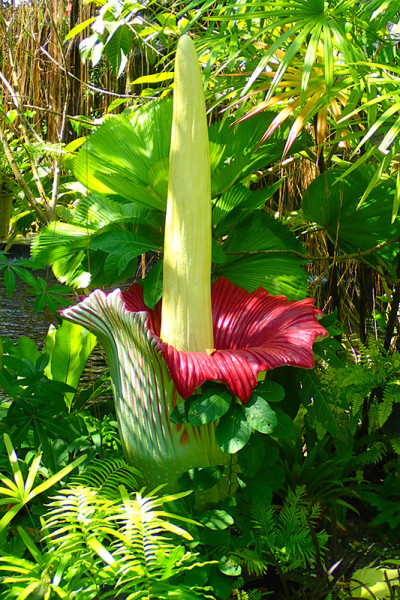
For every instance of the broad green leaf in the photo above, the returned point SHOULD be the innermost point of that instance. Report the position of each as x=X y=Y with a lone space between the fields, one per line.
x=215 y=519
x=86 y=46
x=117 y=48
x=220 y=583
x=180 y=413
x=278 y=274
x=209 y=407
x=259 y=491
x=153 y=285
x=56 y=240
x=273 y=476
x=233 y=431
x=121 y=157
x=270 y=391
x=259 y=414
x=238 y=203
x=253 y=258
x=197 y=576
x=115 y=265
x=251 y=457
x=202 y=478
x=122 y=242
x=68 y=347
x=334 y=203
x=28 y=349
x=116 y=103
x=228 y=566
x=285 y=426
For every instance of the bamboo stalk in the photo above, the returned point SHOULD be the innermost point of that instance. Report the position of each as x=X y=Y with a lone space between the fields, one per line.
x=20 y=179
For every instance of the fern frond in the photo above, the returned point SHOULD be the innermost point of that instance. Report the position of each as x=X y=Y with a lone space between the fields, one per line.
x=373 y=454
x=395 y=443
x=250 y=595
x=107 y=475
x=263 y=521
x=77 y=522
x=251 y=561
x=285 y=533
x=385 y=409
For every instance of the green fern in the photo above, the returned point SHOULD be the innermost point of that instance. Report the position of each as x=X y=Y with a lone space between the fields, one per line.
x=385 y=497
x=369 y=379
x=395 y=443
x=101 y=541
x=250 y=595
x=107 y=475
x=284 y=534
x=374 y=452
x=251 y=560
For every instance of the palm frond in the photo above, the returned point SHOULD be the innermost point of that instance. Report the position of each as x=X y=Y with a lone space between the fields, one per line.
x=258 y=254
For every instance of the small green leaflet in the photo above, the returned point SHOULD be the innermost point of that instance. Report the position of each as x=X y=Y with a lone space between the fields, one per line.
x=259 y=492
x=9 y=281
x=270 y=391
x=152 y=285
x=201 y=478
x=180 y=413
x=285 y=425
x=209 y=407
x=259 y=414
x=216 y=519
x=228 y=566
x=251 y=458
x=233 y=430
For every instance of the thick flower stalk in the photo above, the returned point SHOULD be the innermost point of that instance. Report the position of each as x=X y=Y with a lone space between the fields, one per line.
x=221 y=333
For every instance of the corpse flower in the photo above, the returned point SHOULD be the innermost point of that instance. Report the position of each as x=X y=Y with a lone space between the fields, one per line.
x=196 y=333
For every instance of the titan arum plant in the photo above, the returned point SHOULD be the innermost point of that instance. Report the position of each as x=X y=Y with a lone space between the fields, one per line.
x=198 y=332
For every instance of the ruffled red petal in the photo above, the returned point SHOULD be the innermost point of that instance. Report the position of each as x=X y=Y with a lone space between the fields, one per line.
x=253 y=332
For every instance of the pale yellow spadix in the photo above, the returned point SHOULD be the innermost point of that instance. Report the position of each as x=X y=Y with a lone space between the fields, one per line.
x=186 y=320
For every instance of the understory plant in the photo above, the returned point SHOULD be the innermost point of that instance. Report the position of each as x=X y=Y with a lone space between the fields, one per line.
x=102 y=539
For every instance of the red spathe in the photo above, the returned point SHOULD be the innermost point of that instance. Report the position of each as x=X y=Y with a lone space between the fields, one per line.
x=253 y=332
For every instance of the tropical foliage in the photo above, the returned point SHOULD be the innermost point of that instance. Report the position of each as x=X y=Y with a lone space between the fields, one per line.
x=224 y=473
